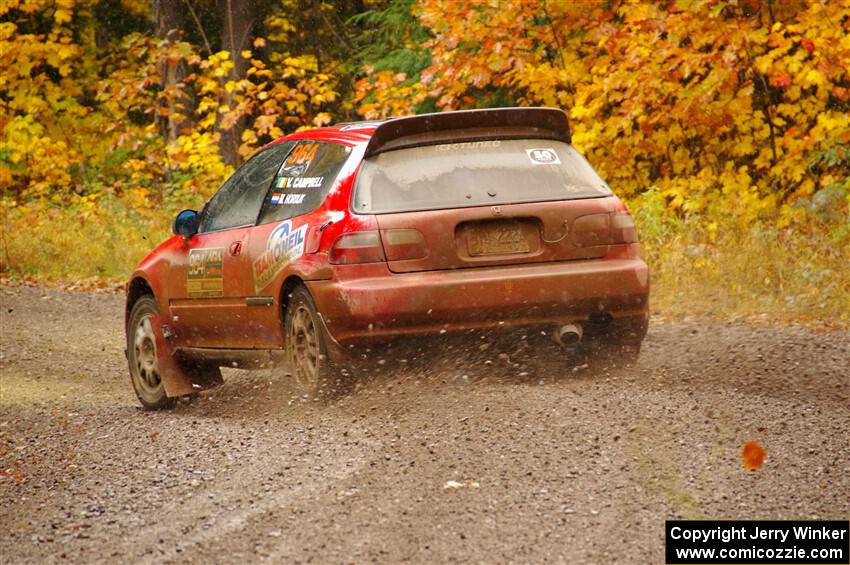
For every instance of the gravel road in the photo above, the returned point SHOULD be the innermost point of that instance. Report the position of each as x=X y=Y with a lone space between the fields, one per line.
x=549 y=464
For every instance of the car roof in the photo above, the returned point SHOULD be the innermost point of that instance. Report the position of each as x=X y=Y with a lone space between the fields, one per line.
x=349 y=133
x=443 y=127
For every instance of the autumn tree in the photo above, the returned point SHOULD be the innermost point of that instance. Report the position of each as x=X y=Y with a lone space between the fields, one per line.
x=238 y=19
x=169 y=26
x=705 y=99
x=391 y=48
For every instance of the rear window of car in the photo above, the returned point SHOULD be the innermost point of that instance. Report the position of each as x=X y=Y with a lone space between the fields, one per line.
x=303 y=180
x=476 y=173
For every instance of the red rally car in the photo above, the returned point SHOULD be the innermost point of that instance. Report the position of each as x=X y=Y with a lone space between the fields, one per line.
x=368 y=231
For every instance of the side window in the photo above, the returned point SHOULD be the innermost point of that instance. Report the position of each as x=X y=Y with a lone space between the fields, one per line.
x=238 y=201
x=303 y=181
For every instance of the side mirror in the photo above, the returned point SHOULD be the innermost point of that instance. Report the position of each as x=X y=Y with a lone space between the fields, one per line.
x=185 y=224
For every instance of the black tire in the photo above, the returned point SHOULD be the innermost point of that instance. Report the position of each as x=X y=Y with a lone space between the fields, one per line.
x=306 y=347
x=142 y=356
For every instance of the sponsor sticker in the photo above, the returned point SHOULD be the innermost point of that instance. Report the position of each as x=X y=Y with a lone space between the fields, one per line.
x=299 y=182
x=287 y=170
x=206 y=273
x=543 y=157
x=284 y=245
x=306 y=182
x=467 y=145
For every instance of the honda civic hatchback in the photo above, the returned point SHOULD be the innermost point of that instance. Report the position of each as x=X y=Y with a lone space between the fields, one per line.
x=365 y=232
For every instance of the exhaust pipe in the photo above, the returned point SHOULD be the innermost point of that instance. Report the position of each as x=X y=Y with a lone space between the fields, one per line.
x=569 y=334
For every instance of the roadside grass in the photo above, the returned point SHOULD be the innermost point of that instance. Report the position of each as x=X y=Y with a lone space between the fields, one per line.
x=24 y=390
x=704 y=267
x=760 y=272
x=80 y=242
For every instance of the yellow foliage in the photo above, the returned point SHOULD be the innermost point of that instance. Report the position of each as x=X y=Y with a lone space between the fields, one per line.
x=54 y=146
x=722 y=118
x=705 y=100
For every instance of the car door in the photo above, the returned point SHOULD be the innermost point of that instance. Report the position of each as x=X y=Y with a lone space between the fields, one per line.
x=290 y=218
x=211 y=279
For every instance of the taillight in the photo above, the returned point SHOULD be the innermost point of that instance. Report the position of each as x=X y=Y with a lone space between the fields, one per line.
x=357 y=247
x=604 y=229
x=591 y=230
x=623 y=228
x=401 y=244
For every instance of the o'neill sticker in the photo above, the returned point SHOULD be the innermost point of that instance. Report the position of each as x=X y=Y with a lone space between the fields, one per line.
x=284 y=245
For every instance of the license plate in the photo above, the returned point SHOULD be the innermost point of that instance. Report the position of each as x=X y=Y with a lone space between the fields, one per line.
x=497 y=239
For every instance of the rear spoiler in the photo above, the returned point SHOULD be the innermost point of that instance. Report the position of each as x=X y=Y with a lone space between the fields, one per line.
x=469 y=125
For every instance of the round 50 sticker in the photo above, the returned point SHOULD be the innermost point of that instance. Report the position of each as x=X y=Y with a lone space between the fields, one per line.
x=543 y=157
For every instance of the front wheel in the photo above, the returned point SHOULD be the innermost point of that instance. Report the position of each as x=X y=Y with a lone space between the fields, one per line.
x=306 y=347
x=142 y=355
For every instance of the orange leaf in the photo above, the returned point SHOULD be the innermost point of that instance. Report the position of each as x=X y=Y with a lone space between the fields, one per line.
x=783 y=80
x=753 y=455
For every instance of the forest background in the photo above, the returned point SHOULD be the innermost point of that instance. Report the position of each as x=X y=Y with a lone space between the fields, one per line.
x=724 y=124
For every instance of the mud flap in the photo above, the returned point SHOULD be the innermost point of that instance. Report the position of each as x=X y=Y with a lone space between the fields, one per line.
x=174 y=379
x=336 y=352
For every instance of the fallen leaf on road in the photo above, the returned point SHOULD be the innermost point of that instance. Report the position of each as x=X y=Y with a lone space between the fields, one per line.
x=753 y=455
x=464 y=484
x=9 y=473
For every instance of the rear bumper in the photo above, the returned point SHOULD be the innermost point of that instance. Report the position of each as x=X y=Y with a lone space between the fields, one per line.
x=380 y=307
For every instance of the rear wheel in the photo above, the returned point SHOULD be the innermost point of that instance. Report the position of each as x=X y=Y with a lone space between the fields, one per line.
x=306 y=347
x=142 y=355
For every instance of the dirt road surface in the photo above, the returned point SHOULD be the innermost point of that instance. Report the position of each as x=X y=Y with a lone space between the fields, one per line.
x=554 y=465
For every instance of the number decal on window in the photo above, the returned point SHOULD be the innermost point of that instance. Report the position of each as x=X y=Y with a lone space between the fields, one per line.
x=303 y=153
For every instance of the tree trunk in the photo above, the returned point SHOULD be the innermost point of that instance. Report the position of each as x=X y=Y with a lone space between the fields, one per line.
x=169 y=22
x=237 y=23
